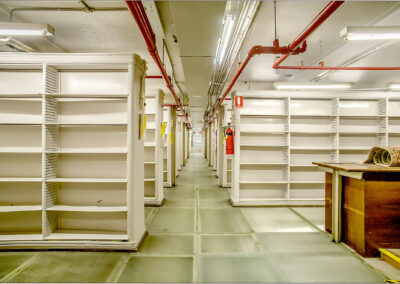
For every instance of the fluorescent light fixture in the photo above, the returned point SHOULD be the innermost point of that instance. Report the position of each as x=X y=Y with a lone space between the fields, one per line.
x=25 y=29
x=311 y=86
x=226 y=35
x=370 y=33
x=394 y=86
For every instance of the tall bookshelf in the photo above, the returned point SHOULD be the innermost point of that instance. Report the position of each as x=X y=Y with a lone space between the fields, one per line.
x=167 y=141
x=153 y=149
x=227 y=160
x=72 y=157
x=280 y=134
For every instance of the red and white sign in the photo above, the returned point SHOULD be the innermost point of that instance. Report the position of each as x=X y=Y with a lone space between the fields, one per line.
x=239 y=102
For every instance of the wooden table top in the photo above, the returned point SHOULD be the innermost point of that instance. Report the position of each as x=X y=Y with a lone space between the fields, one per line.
x=357 y=167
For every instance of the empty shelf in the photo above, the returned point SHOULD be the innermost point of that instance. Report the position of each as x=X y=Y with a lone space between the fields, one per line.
x=308 y=182
x=262 y=146
x=21 y=123
x=311 y=115
x=87 y=208
x=21 y=150
x=149 y=163
x=355 y=148
x=262 y=132
x=303 y=165
x=94 y=180
x=18 y=236
x=263 y=164
x=86 y=235
x=20 y=96
x=94 y=96
x=263 y=115
x=20 y=179
x=312 y=132
x=303 y=148
x=89 y=151
x=149 y=179
x=85 y=124
x=149 y=144
x=263 y=182
x=20 y=208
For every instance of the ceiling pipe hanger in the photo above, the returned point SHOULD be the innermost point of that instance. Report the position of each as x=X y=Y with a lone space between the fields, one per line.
x=139 y=14
x=292 y=49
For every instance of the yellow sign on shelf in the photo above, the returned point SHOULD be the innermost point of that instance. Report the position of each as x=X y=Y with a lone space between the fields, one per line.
x=163 y=127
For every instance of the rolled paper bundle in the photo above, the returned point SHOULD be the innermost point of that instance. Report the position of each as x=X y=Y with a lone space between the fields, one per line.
x=388 y=157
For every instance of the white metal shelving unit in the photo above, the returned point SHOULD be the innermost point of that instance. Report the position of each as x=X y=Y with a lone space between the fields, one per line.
x=167 y=142
x=71 y=172
x=279 y=135
x=153 y=152
x=226 y=164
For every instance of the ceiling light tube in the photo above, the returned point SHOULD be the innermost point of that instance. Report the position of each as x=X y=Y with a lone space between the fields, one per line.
x=394 y=86
x=370 y=33
x=226 y=35
x=312 y=86
x=25 y=29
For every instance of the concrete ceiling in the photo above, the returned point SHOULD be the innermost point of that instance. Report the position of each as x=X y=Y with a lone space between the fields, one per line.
x=197 y=25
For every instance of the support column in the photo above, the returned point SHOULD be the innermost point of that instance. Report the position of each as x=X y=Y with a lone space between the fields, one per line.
x=173 y=145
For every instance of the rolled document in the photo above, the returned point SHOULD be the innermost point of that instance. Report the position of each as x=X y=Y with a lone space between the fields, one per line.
x=388 y=156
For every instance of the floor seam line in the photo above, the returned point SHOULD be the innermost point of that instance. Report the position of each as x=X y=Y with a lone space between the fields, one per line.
x=20 y=268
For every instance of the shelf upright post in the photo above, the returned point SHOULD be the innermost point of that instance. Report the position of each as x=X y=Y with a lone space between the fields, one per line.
x=49 y=143
x=135 y=158
x=335 y=130
x=168 y=142
x=287 y=133
x=221 y=163
x=383 y=109
x=235 y=182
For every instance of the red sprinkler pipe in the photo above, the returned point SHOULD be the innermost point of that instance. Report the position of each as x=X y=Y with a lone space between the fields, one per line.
x=156 y=77
x=302 y=67
x=318 y=20
x=139 y=14
x=256 y=50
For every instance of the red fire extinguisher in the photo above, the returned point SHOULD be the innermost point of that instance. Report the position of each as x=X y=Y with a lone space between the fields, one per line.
x=229 y=141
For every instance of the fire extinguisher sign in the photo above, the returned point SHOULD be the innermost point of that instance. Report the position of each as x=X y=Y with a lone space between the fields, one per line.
x=239 y=102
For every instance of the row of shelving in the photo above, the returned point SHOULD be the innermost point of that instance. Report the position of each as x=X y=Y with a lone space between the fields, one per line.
x=278 y=137
x=153 y=166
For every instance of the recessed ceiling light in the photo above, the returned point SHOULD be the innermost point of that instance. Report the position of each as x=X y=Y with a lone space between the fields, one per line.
x=370 y=33
x=394 y=86
x=311 y=86
x=25 y=29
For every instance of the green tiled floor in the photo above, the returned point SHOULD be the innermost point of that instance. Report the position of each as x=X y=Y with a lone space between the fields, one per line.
x=69 y=267
x=197 y=236
x=228 y=244
x=158 y=269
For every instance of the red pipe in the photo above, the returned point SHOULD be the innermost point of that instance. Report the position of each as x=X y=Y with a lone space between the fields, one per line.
x=293 y=48
x=156 y=77
x=318 y=20
x=337 y=68
x=139 y=14
x=255 y=50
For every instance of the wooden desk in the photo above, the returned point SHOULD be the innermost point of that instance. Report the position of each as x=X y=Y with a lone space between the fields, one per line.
x=362 y=205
